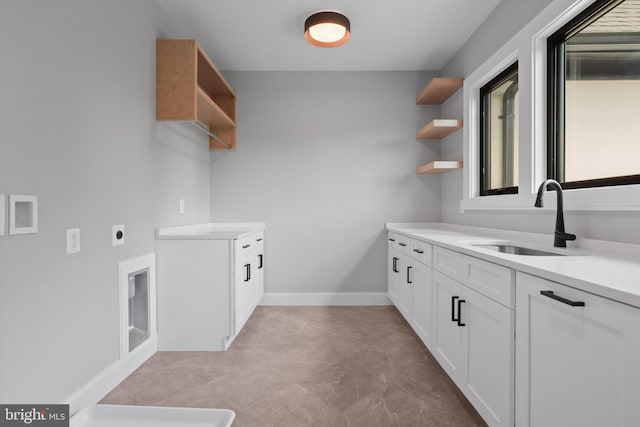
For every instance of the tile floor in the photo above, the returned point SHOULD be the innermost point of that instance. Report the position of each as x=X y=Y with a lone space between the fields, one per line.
x=309 y=366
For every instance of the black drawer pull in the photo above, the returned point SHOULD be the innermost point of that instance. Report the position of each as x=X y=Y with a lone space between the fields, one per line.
x=395 y=265
x=453 y=309
x=245 y=246
x=551 y=295
x=259 y=240
x=392 y=240
x=408 y=275
x=460 y=301
x=260 y=259
x=420 y=251
x=402 y=244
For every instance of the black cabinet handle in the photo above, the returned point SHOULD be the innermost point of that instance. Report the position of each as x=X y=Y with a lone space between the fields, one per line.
x=402 y=244
x=260 y=259
x=420 y=251
x=259 y=240
x=551 y=295
x=460 y=301
x=395 y=265
x=247 y=272
x=245 y=246
x=408 y=275
x=453 y=309
x=392 y=240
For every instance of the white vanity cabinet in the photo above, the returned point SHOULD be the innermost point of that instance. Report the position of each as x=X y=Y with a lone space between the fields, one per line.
x=393 y=272
x=409 y=282
x=473 y=339
x=249 y=277
x=209 y=280
x=578 y=357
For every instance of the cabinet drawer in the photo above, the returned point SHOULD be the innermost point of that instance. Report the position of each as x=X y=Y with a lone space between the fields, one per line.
x=447 y=262
x=247 y=245
x=491 y=280
x=402 y=243
x=420 y=251
x=392 y=239
x=258 y=240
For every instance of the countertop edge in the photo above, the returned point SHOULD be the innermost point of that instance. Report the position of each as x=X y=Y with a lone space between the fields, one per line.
x=210 y=231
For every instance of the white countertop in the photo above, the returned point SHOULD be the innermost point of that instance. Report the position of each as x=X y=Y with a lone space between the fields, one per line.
x=210 y=230
x=603 y=268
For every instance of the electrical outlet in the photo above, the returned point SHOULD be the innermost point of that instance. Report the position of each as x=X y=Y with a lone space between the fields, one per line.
x=117 y=235
x=181 y=205
x=73 y=240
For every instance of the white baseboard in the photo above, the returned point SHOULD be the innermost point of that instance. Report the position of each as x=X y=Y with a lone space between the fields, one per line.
x=98 y=387
x=325 y=298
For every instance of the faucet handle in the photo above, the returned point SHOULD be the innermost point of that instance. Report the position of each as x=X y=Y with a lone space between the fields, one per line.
x=565 y=236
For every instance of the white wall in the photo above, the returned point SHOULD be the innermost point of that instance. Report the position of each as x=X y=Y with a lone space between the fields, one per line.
x=78 y=129
x=325 y=159
x=506 y=20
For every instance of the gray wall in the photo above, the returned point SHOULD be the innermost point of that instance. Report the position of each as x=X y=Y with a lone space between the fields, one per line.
x=78 y=129
x=506 y=20
x=325 y=159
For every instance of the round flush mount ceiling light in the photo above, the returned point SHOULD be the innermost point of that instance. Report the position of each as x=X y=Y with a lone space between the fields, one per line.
x=327 y=29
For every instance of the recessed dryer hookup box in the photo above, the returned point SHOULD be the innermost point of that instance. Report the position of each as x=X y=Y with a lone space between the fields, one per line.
x=23 y=214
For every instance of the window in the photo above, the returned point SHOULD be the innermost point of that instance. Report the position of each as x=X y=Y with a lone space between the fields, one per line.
x=593 y=97
x=499 y=134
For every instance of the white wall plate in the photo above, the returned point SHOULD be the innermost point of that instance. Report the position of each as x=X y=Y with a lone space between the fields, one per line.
x=23 y=214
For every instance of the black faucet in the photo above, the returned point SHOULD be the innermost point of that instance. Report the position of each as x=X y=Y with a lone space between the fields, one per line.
x=560 y=237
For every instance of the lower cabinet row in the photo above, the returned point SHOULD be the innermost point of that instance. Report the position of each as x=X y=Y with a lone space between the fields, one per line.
x=525 y=357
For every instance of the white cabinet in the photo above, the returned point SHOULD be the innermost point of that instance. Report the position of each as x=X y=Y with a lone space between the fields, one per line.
x=422 y=302
x=207 y=288
x=447 y=335
x=249 y=278
x=487 y=371
x=409 y=282
x=577 y=365
x=405 y=288
x=393 y=274
x=259 y=271
x=473 y=336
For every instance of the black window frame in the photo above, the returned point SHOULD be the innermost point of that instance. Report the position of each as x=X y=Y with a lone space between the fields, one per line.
x=485 y=151
x=556 y=97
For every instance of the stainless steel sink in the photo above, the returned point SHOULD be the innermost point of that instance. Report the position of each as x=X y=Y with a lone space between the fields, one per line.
x=517 y=250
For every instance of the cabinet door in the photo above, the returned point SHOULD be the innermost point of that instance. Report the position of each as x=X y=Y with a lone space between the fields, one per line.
x=405 y=287
x=393 y=274
x=575 y=365
x=259 y=278
x=488 y=368
x=447 y=335
x=242 y=301
x=422 y=303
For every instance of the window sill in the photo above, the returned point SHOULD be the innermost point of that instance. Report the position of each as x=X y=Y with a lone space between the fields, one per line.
x=624 y=198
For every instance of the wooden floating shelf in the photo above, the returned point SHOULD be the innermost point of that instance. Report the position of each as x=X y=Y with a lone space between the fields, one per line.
x=439 y=128
x=439 y=90
x=190 y=88
x=438 y=167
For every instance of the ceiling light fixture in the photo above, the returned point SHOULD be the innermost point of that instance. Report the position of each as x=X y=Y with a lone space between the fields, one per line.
x=327 y=29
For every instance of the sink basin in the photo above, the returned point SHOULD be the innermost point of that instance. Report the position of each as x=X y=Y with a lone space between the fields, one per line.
x=517 y=250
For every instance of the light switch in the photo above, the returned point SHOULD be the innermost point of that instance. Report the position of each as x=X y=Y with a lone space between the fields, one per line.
x=73 y=240
x=181 y=204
